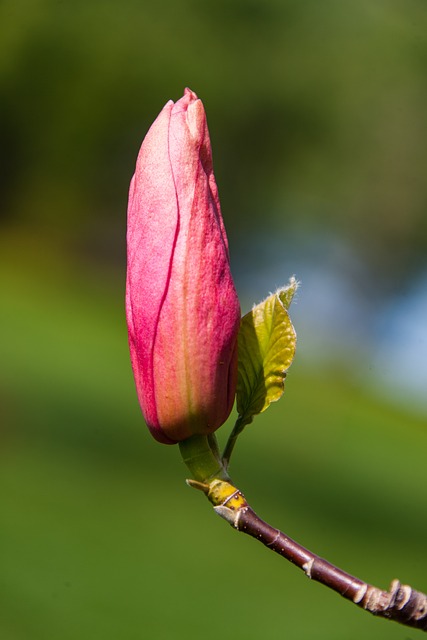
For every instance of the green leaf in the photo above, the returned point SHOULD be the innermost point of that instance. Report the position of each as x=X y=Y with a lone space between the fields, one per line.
x=267 y=342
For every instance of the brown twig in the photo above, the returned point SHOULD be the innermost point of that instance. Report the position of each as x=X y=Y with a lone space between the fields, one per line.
x=401 y=603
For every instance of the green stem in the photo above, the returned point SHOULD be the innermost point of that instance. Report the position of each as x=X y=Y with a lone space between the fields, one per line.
x=237 y=430
x=200 y=454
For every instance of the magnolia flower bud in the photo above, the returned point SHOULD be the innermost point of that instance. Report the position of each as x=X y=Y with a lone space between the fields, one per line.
x=181 y=305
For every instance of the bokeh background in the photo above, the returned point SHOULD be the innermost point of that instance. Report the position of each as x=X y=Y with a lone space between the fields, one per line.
x=318 y=119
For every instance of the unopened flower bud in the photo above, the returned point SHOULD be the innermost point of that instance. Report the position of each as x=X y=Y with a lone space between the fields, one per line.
x=182 y=308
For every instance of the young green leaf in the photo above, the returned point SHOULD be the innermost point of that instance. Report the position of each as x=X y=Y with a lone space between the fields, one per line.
x=267 y=342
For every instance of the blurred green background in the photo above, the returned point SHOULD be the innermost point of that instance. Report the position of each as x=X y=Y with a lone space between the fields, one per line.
x=317 y=112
